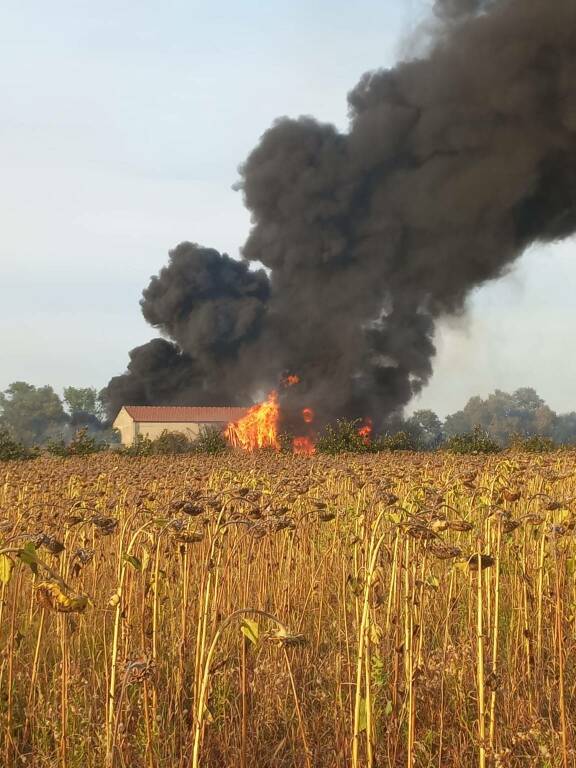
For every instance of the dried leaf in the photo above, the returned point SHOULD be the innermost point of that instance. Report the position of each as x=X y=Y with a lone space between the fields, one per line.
x=6 y=568
x=134 y=562
x=28 y=556
x=249 y=629
x=53 y=596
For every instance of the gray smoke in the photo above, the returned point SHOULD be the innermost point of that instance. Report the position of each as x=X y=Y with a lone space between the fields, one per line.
x=452 y=166
x=457 y=9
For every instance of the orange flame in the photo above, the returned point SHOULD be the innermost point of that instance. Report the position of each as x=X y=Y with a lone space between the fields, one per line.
x=290 y=381
x=308 y=415
x=303 y=446
x=365 y=432
x=259 y=428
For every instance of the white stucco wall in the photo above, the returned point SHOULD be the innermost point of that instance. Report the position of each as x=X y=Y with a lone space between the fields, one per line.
x=125 y=425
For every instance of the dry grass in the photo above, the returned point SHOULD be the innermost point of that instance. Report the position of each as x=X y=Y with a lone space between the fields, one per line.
x=392 y=610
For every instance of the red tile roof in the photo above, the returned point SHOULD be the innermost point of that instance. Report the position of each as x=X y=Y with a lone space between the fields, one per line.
x=171 y=413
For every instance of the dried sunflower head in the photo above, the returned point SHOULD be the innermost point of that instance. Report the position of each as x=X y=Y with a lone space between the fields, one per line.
x=460 y=525
x=83 y=555
x=486 y=561
x=444 y=551
x=53 y=545
x=281 y=523
x=105 y=526
x=190 y=538
x=286 y=639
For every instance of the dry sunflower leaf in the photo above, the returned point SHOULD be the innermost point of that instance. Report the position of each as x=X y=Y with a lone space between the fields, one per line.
x=52 y=595
x=6 y=568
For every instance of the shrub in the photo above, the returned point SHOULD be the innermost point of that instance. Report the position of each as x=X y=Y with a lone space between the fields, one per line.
x=171 y=443
x=210 y=440
x=533 y=444
x=83 y=444
x=142 y=446
x=477 y=441
x=11 y=449
x=400 y=441
x=343 y=437
x=56 y=447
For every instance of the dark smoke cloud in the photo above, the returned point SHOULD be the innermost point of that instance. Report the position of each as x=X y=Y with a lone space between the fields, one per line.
x=208 y=303
x=211 y=307
x=453 y=165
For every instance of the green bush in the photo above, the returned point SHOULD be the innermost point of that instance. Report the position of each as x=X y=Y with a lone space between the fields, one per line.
x=477 y=441
x=56 y=447
x=82 y=444
x=12 y=450
x=169 y=443
x=210 y=440
x=142 y=446
x=533 y=444
x=343 y=437
x=400 y=441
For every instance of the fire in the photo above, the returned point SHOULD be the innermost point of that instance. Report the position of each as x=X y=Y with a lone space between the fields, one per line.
x=303 y=445
x=308 y=415
x=259 y=428
x=365 y=432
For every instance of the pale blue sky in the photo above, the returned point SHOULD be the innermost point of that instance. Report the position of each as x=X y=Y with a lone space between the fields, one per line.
x=121 y=128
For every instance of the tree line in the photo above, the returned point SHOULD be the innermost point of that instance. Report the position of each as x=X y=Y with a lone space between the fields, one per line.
x=503 y=416
x=36 y=415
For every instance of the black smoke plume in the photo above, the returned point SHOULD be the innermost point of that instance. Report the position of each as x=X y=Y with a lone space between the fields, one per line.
x=452 y=166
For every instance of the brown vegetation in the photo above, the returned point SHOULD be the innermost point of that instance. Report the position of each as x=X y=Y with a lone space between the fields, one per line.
x=270 y=610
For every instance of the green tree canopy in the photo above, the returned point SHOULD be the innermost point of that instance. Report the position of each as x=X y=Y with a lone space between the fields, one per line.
x=426 y=428
x=31 y=413
x=502 y=415
x=82 y=400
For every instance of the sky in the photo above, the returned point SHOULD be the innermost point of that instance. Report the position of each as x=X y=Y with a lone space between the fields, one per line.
x=122 y=126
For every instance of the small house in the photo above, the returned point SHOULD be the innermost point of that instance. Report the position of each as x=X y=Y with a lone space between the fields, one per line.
x=152 y=420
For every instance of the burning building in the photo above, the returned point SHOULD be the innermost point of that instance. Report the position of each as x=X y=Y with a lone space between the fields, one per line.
x=135 y=421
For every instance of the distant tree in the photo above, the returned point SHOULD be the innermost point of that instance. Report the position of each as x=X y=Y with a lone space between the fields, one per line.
x=82 y=400
x=543 y=423
x=457 y=423
x=565 y=429
x=503 y=415
x=527 y=399
x=31 y=413
x=426 y=428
